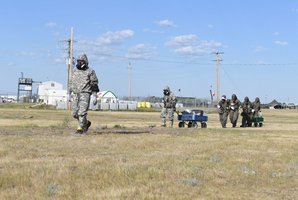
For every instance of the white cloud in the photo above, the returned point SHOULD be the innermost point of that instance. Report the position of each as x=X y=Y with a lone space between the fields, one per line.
x=210 y=26
x=103 y=48
x=140 y=51
x=182 y=40
x=166 y=22
x=147 y=30
x=276 y=33
x=260 y=49
x=114 y=37
x=10 y=64
x=261 y=62
x=26 y=53
x=59 y=60
x=51 y=24
x=190 y=50
x=281 y=43
x=191 y=45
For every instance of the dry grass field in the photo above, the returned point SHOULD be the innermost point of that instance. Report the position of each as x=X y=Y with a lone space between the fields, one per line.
x=126 y=155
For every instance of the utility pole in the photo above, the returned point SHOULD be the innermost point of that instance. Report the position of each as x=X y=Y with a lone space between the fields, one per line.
x=129 y=80
x=217 y=73
x=70 y=64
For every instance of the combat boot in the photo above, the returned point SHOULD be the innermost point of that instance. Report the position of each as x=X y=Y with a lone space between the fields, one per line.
x=171 y=124
x=79 y=131
x=163 y=122
x=87 y=126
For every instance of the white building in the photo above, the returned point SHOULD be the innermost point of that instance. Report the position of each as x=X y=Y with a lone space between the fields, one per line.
x=106 y=97
x=51 y=92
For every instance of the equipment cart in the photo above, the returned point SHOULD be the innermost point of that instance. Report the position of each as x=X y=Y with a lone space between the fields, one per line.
x=258 y=121
x=191 y=118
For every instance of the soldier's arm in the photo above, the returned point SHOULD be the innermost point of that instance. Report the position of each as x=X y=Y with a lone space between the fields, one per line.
x=94 y=82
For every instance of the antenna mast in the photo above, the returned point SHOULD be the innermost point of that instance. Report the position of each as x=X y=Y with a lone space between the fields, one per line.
x=70 y=63
x=217 y=73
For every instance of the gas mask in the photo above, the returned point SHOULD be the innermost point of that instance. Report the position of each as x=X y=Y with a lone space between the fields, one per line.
x=81 y=65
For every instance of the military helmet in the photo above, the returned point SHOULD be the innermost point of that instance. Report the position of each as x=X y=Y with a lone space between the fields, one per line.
x=83 y=57
x=166 y=88
x=246 y=99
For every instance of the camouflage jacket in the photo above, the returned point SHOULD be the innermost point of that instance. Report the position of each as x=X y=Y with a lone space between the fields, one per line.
x=223 y=106
x=234 y=105
x=246 y=107
x=84 y=81
x=256 y=106
x=169 y=101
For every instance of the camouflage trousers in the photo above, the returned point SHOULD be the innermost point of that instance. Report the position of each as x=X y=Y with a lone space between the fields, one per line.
x=167 y=112
x=80 y=106
x=234 y=117
x=223 y=117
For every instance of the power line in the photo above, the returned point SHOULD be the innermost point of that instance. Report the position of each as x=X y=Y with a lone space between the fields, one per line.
x=217 y=73
x=70 y=63
x=200 y=63
x=129 y=80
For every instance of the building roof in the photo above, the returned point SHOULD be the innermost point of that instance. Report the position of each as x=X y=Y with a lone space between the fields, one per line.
x=106 y=94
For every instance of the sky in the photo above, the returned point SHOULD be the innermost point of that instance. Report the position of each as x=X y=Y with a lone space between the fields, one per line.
x=167 y=43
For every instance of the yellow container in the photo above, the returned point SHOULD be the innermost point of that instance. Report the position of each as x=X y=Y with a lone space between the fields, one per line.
x=143 y=104
x=147 y=104
x=139 y=104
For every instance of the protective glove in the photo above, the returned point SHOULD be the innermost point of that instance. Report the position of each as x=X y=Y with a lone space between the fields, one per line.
x=94 y=99
x=69 y=98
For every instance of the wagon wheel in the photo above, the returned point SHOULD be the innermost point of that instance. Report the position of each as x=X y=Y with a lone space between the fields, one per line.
x=256 y=124
x=192 y=124
x=260 y=124
x=203 y=125
x=195 y=124
x=189 y=125
x=181 y=124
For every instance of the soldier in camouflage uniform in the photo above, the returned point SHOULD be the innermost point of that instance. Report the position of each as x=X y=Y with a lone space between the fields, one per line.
x=234 y=110
x=169 y=106
x=84 y=83
x=246 y=113
x=223 y=110
x=256 y=107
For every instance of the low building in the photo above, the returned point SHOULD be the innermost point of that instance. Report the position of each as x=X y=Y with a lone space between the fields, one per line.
x=107 y=97
x=51 y=93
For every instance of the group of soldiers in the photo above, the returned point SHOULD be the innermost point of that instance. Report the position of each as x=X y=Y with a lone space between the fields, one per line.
x=84 y=87
x=231 y=107
x=227 y=108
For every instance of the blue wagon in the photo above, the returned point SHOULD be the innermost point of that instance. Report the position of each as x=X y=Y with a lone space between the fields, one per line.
x=191 y=118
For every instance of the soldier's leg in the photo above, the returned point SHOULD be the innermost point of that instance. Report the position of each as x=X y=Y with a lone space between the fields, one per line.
x=243 y=122
x=232 y=119
x=171 y=116
x=163 y=116
x=249 y=120
x=221 y=119
x=75 y=106
x=236 y=114
x=83 y=109
x=224 y=119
